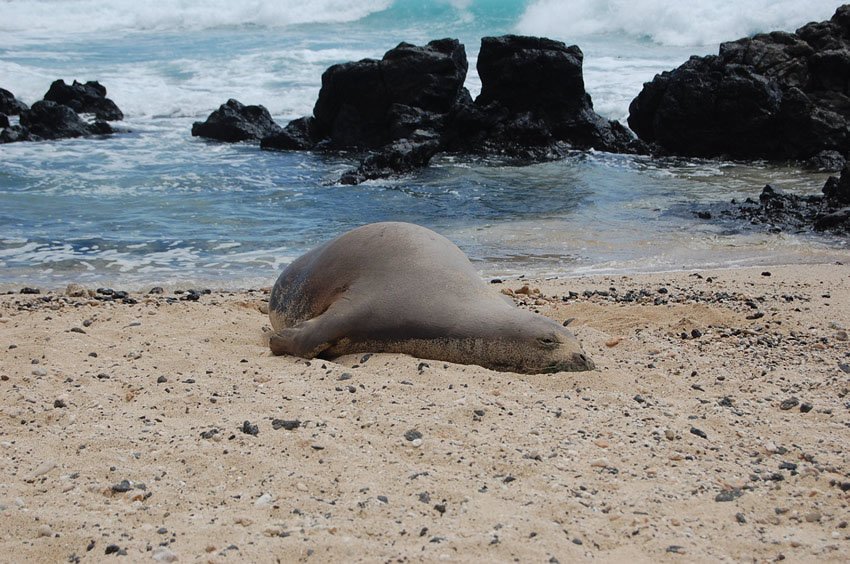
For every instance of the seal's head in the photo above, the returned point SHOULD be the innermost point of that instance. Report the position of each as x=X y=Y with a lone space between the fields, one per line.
x=538 y=345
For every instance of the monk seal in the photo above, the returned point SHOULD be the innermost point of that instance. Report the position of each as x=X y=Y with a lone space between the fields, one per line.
x=401 y=288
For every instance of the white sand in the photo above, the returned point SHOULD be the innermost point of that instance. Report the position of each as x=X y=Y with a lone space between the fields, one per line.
x=602 y=464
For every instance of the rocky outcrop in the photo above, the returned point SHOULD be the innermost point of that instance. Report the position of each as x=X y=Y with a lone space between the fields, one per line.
x=9 y=105
x=828 y=161
x=412 y=104
x=783 y=211
x=49 y=120
x=399 y=157
x=233 y=122
x=533 y=103
x=368 y=104
x=14 y=133
x=298 y=135
x=837 y=189
x=88 y=98
x=773 y=96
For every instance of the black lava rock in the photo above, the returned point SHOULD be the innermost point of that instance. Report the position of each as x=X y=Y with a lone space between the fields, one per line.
x=779 y=211
x=728 y=495
x=412 y=435
x=122 y=487
x=298 y=135
x=698 y=432
x=88 y=98
x=789 y=403
x=831 y=161
x=50 y=120
x=209 y=434
x=14 y=134
x=287 y=424
x=411 y=104
x=10 y=105
x=355 y=104
x=399 y=157
x=249 y=428
x=233 y=122
x=837 y=190
x=532 y=93
x=775 y=95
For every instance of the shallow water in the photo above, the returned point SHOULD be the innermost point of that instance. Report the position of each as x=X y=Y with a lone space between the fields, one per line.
x=156 y=206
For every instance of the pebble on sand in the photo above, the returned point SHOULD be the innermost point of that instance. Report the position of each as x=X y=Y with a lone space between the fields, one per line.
x=249 y=428
x=789 y=403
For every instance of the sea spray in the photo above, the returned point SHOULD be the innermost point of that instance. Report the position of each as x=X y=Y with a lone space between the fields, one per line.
x=669 y=22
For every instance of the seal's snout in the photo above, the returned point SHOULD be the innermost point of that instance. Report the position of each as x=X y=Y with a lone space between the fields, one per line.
x=577 y=362
x=582 y=362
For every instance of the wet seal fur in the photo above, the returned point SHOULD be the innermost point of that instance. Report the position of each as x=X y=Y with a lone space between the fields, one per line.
x=401 y=288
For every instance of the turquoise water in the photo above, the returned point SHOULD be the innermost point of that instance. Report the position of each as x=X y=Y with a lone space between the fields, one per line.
x=156 y=206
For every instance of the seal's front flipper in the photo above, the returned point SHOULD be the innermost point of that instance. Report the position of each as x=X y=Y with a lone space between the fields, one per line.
x=312 y=337
x=296 y=341
x=282 y=342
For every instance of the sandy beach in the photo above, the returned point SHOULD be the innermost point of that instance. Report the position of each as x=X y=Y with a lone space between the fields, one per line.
x=715 y=428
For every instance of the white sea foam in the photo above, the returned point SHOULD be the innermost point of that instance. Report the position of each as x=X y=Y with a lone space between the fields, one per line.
x=286 y=83
x=670 y=22
x=86 y=16
x=229 y=245
x=178 y=255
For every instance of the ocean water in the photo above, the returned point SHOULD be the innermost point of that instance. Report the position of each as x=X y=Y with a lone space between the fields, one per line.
x=157 y=206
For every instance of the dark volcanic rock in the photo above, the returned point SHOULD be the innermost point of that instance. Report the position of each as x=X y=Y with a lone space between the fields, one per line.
x=531 y=74
x=532 y=92
x=298 y=135
x=400 y=157
x=834 y=221
x=704 y=108
x=14 y=133
x=412 y=104
x=785 y=211
x=4 y=120
x=831 y=161
x=233 y=122
x=88 y=98
x=837 y=189
x=49 y=120
x=396 y=108
x=358 y=102
x=776 y=95
x=10 y=105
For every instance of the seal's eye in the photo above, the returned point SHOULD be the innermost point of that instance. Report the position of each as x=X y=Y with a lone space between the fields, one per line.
x=548 y=343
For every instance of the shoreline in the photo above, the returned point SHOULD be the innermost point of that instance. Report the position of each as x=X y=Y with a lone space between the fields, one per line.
x=836 y=256
x=713 y=427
